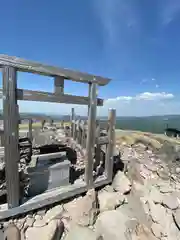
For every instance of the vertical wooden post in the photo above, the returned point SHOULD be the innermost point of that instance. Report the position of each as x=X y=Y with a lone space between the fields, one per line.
x=110 y=147
x=11 y=134
x=72 y=122
x=91 y=137
x=98 y=147
x=89 y=95
x=58 y=85
x=30 y=136
x=42 y=124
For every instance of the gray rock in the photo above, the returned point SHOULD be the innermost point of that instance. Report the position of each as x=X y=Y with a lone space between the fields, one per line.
x=12 y=233
x=83 y=210
x=157 y=212
x=53 y=213
x=121 y=183
x=80 y=233
x=110 y=200
x=178 y=170
x=171 y=202
x=39 y=221
x=157 y=230
x=52 y=231
x=111 y=225
x=176 y=217
x=29 y=222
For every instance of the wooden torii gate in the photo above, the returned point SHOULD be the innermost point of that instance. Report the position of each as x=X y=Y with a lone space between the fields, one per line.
x=11 y=94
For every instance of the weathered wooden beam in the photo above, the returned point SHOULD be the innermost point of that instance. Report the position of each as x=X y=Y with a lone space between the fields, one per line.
x=59 y=85
x=72 y=122
x=89 y=95
x=111 y=145
x=34 y=67
x=91 y=137
x=50 y=197
x=29 y=95
x=30 y=135
x=11 y=128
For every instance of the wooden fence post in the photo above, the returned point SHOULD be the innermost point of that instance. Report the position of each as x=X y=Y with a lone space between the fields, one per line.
x=89 y=95
x=98 y=146
x=42 y=124
x=111 y=144
x=30 y=136
x=11 y=135
x=59 y=85
x=72 y=122
x=91 y=137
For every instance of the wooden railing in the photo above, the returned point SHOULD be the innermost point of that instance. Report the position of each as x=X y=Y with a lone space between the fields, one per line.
x=11 y=94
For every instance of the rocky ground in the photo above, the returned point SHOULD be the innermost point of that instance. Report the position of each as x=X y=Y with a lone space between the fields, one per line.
x=142 y=203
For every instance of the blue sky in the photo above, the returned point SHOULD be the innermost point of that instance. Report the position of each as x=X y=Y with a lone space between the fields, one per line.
x=136 y=43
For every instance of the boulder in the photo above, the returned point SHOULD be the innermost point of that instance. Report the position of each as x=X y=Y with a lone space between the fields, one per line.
x=80 y=233
x=53 y=213
x=121 y=183
x=110 y=200
x=83 y=210
x=111 y=225
x=171 y=202
x=12 y=232
x=52 y=231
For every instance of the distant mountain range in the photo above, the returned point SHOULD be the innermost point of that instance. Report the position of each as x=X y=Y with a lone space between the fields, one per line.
x=154 y=124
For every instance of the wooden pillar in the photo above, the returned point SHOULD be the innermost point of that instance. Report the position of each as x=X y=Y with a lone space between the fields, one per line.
x=98 y=146
x=59 y=85
x=72 y=122
x=30 y=136
x=11 y=134
x=42 y=124
x=91 y=137
x=89 y=95
x=111 y=145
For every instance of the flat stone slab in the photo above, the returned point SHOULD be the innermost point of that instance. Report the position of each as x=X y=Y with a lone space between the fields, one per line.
x=44 y=177
x=36 y=159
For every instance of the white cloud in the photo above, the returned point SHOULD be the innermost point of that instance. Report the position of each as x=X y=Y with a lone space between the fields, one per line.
x=154 y=96
x=143 y=104
x=143 y=96
x=147 y=103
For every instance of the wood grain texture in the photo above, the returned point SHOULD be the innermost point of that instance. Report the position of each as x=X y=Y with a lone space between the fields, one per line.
x=59 y=85
x=72 y=122
x=11 y=138
x=29 y=95
x=111 y=145
x=30 y=135
x=43 y=69
x=91 y=137
x=50 y=197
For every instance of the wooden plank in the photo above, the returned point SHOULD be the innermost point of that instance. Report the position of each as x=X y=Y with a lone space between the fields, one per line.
x=30 y=136
x=89 y=95
x=29 y=95
x=58 y=85
x=98 y=147
x=72 y=122
x=111 y=145
x=11 y=128
x=49 y=197
x=35 y=67
x=91 y=137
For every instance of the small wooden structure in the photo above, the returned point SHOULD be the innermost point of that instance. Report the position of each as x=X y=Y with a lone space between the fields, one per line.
x=11 y=94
